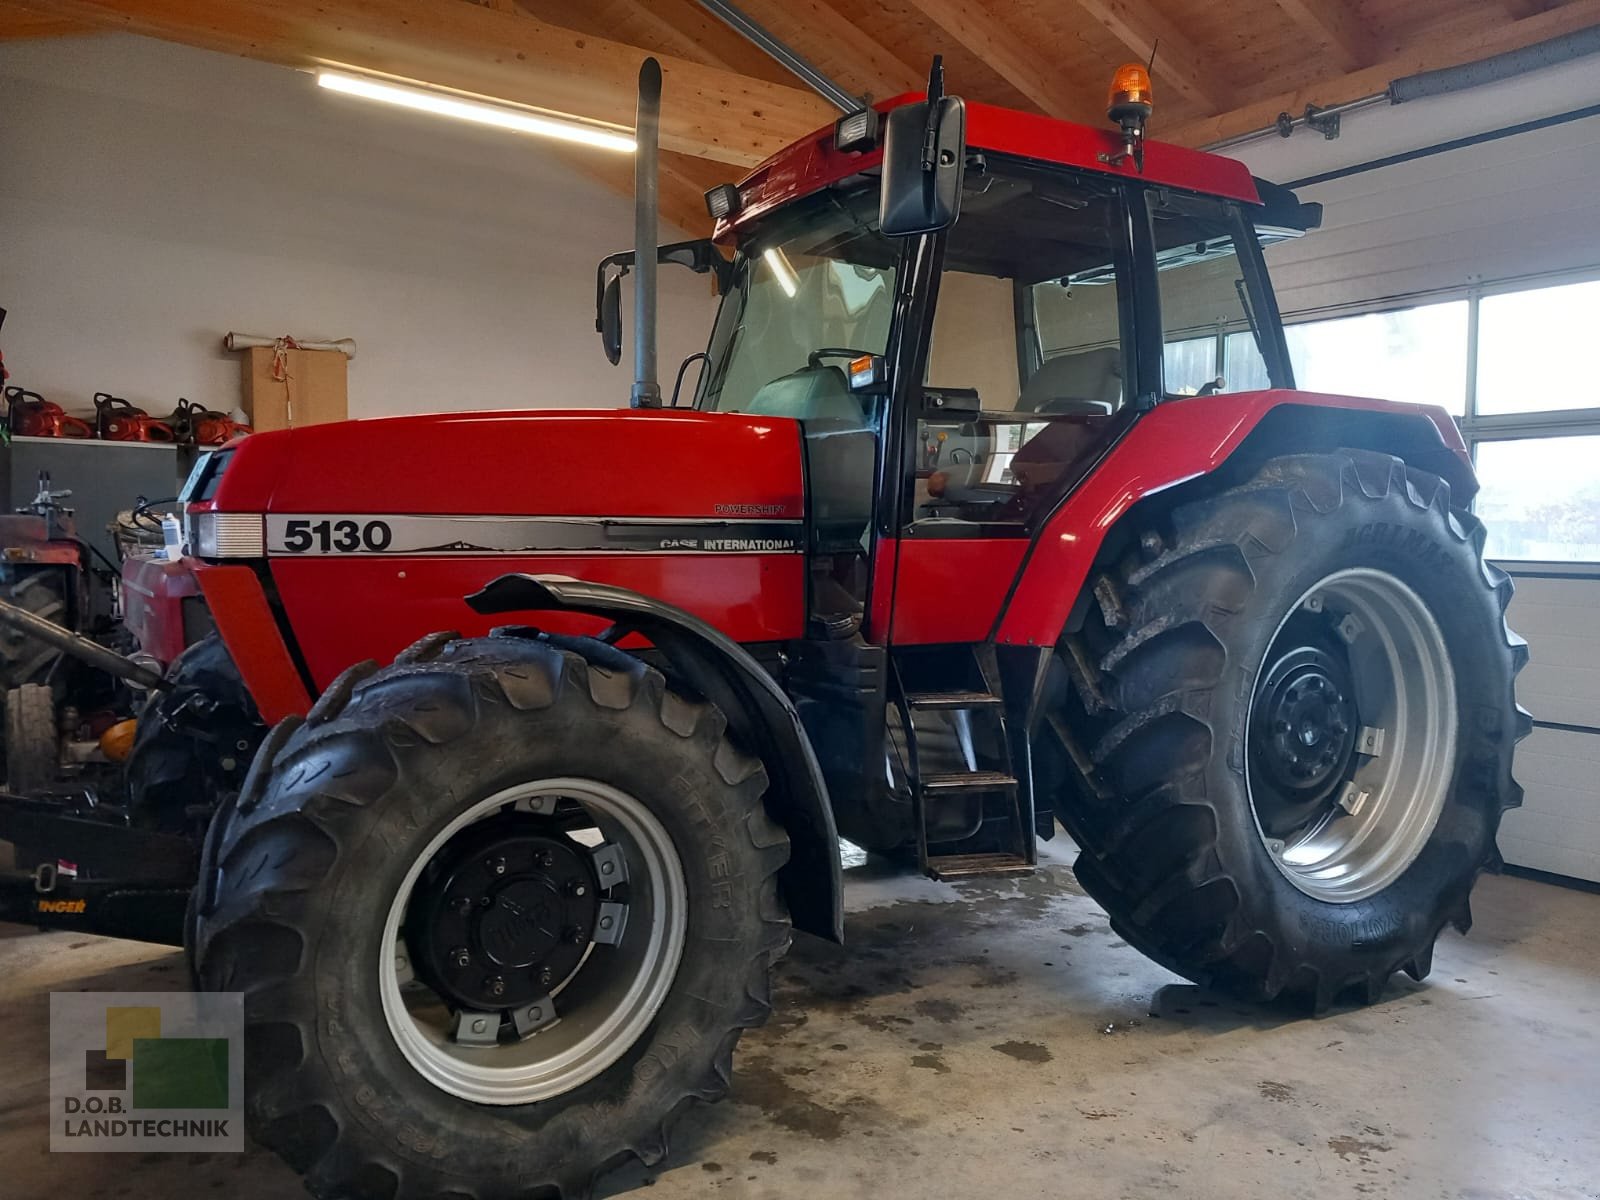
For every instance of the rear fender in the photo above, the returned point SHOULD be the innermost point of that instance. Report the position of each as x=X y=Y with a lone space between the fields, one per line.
x=1208 y=442
x=759 y=714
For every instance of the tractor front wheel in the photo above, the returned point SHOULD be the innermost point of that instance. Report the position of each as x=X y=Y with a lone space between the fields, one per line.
x=1298 y=693
x=499 y=912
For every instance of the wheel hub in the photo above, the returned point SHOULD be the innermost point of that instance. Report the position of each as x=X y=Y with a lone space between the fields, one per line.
x=1304 y=734
x=504 y=916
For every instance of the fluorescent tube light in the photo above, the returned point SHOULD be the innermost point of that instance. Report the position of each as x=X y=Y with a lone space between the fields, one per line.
x=498 y=116
x=778 y=264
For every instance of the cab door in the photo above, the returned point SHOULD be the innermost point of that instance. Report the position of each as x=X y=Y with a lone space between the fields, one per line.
x=1026 y=365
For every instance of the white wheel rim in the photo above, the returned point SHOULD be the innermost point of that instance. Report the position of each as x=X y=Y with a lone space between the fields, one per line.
x=610 y=1014
x=1406 y=693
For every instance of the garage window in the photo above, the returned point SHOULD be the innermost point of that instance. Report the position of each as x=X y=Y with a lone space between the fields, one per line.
x=1416 y=354
x=1535 y=350
x=1509 y=363
x=1540 y=498
x=1533 y=421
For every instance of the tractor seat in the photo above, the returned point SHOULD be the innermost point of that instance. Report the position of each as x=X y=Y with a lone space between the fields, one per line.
x=1087 y=384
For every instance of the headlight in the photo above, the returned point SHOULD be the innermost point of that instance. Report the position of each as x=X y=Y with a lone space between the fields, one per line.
x=227 y=535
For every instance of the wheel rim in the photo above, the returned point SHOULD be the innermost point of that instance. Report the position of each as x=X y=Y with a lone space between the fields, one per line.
x=558 y=981
x=1351 y=737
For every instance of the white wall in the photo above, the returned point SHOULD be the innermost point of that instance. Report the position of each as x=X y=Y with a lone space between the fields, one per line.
x=153 y=197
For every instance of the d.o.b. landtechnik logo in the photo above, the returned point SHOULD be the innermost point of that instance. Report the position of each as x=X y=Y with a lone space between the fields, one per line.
x=146 y=1071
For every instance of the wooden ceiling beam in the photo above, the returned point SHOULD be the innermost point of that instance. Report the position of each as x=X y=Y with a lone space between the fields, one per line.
x=837 y=46
x=1337 y=27
x=17 y=23
x=680 y=192
x=1145 y=30
x=706 y=111
x=1484 y=42
x=634 y=21
x=1012 y=57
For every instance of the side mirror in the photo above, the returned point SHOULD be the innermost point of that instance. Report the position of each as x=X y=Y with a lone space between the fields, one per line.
x=610 y=319
x=700 y=256
x=924 y=160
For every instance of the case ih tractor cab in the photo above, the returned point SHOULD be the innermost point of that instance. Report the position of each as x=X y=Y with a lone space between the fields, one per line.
x=966 y=532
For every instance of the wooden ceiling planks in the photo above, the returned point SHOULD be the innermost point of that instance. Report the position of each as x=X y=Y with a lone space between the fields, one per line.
x=1222 y=66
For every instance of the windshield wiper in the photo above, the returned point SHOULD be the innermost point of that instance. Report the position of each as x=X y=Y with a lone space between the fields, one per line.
x=1249 y=314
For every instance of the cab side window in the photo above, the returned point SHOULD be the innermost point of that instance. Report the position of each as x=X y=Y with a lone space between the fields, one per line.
x=1028 y=360
x=1209 y=344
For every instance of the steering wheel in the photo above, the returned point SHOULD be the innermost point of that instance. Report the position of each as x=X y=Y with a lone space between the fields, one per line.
x=814 y=359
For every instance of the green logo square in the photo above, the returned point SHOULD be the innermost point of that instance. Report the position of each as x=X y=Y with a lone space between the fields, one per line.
x=180 y=1073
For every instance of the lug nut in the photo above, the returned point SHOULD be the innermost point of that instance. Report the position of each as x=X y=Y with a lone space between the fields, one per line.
x=546 y=976
x=572 y=934
x=461 y=956
x=496 y=986
x=547 y=859
x=576 y=889
x=497 y=866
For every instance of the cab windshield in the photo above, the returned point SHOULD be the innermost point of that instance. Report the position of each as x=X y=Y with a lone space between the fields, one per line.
x=814 y=288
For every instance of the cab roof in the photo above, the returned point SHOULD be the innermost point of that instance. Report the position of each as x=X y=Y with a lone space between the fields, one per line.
x=813 y=162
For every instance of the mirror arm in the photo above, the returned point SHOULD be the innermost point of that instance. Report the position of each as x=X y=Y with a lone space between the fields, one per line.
x=700 y=255
x=930 y=132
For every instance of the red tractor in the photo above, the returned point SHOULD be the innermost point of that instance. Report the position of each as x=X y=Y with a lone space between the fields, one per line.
x=995 y=507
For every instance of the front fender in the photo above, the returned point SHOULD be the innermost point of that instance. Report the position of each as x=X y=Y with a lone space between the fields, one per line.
x=758 y=712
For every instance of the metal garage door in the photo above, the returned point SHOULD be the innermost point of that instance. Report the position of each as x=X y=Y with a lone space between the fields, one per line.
x=1471 y=278
x=1558 y=827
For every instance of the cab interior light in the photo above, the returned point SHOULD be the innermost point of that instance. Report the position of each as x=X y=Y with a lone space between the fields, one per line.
x=479 y=112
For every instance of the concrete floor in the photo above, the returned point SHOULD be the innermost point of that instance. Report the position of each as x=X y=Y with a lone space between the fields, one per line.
x=999 y=1041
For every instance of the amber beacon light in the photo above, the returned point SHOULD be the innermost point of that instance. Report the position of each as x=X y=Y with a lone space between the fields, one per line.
x=1129 y=103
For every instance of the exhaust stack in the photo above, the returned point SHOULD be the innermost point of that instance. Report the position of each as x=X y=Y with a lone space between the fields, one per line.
x=646 y=388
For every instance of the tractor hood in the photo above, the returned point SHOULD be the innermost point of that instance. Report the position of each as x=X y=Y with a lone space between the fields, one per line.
x=601 y=464
x=372 y=533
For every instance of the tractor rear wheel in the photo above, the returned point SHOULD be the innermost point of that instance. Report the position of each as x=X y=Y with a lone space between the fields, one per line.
x=24 y=659
x=31 y=747
x=1299 y=696
x=499 y=911
x=31 y=755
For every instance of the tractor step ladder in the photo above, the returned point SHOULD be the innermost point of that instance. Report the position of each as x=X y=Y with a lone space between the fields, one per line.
x=1013 y=852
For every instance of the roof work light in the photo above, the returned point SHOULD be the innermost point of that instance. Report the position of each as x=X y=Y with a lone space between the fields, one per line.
x=722 y=201
x=856 y=131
